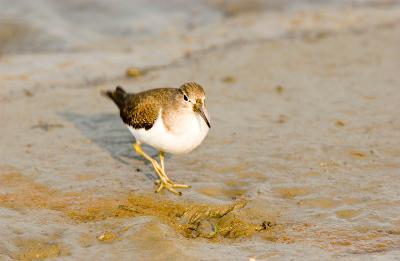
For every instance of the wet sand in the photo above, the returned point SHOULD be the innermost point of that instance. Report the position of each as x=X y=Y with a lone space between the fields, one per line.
x=302 y=161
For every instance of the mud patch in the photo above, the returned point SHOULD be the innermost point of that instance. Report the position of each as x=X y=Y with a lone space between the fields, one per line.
x=222 y=193
x=187 y=218
x=323 y=203
x=348 y=213
x=34 y=195
x=192 y=220
x=290 y=193
x=233 y=189
x=32 y=249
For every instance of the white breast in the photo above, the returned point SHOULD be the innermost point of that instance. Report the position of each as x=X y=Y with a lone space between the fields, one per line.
x=185 y=136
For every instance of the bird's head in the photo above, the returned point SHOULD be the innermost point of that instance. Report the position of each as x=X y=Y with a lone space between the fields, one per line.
x=192 y=96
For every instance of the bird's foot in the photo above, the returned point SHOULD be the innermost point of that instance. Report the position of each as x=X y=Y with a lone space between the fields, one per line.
x=169 y=185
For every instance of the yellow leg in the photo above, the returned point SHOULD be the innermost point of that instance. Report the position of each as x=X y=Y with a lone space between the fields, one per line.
x=139 y=151
x=162 y=160
x=175 y=185
x=164 y=181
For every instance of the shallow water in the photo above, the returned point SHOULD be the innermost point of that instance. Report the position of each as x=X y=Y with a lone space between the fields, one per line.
x=302 y=160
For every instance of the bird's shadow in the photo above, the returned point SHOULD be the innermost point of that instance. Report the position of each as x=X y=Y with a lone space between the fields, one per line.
x=107 y=131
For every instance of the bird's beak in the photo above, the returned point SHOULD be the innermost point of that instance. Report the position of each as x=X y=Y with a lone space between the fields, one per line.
x=200 y=109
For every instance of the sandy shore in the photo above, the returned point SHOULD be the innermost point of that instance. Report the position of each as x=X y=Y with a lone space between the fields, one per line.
x=302 y=161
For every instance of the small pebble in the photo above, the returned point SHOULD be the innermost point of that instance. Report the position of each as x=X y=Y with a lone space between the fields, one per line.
x=228 y=79
x=134 y=72
x=279 y=89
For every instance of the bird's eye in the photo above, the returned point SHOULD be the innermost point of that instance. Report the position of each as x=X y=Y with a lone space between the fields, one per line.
x=185 y=97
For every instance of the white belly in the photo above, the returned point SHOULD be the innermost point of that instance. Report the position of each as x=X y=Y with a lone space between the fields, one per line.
x=184 y=137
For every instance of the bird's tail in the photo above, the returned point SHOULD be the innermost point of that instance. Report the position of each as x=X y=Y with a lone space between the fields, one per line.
x=118 y=96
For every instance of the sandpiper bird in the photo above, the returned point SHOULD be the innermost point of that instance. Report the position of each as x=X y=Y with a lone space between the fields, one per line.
x=173 y=120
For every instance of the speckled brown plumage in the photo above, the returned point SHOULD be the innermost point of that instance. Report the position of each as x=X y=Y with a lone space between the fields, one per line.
x=192 y=87
x=140 y=110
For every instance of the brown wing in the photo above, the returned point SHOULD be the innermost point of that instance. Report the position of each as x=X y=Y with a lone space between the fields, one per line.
x=140 y=111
